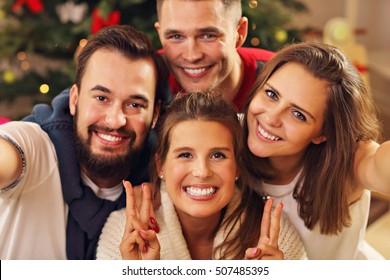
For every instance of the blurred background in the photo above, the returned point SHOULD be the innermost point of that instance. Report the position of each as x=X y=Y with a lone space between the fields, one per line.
x=39 y=40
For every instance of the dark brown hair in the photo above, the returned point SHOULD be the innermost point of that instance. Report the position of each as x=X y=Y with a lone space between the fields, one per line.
x=350 y=117
x=128 y=41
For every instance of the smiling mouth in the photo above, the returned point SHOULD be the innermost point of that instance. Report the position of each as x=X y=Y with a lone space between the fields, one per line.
x=195 y=71
x=267 y=135
x=200 y=192
x=110 y=138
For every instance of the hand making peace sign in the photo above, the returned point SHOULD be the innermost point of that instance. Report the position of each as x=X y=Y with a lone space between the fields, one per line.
x=139 y=242
x=267 y=247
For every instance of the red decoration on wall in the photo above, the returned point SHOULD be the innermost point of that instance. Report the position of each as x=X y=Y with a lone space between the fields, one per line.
x=98 y=22
x=4 y=120
x=34 y=6
x=360 y=67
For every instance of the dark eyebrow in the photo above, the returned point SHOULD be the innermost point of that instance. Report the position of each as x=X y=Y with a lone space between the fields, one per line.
x=293 y=104
x=217 y=149
x=101 y=88
x=133 y=96
x=181 y=149
x=209 y=29
x=168 y=32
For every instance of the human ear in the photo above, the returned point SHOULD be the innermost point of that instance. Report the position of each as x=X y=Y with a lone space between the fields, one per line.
x=157 y=26
x=73 y=99
x=156 y=113
x=242 y=31
x=159 y=165
x=237 y=177
x=319 y=139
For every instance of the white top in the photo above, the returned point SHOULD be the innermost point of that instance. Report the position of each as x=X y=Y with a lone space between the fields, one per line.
x=172 y=242
x=347 y=245
x=111 y=194
x=33 y=214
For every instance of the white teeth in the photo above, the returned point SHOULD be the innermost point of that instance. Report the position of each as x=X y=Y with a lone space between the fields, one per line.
x=267 y=135
x=194 y=71
x=200 y=192
x=109 y=137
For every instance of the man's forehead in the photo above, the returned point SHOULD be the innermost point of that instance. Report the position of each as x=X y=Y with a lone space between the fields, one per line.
x=195 y=18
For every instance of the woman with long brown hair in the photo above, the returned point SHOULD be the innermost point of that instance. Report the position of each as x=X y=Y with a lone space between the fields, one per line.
x=312 y=135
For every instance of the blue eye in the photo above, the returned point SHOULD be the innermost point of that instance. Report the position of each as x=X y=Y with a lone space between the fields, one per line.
x=299 y=115
x=175 y=37
x=271 y=94
x=208 y=36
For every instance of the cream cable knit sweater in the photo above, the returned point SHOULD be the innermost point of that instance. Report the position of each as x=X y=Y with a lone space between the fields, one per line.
x=172 y=242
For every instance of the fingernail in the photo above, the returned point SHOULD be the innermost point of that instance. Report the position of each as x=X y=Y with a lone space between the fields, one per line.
x=143 y=186
x=281 y=203
x=123 y=182
x=255 y=251
x=156 y=228
x=152 y=220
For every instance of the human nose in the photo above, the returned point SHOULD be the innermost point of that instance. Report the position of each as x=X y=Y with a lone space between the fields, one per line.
x=192 y=51
x=201 y=169
x=273 y=116
x=115 y=117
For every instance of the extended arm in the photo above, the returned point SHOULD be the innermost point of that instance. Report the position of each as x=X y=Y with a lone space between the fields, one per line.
x=10 y=163
x=372 y=166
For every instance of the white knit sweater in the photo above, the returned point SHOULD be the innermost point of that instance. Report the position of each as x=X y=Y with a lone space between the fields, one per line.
x=172 y=242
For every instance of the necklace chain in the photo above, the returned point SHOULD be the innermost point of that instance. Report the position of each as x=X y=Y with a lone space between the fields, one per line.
x=266 y=196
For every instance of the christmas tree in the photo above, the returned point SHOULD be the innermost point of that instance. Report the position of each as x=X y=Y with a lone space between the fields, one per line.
x=39 y=39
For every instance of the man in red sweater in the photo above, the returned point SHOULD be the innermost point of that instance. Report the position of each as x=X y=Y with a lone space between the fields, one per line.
x=202 y=46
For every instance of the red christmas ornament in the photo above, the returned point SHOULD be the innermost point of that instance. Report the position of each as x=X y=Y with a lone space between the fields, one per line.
x=360 y=67
x=34 y=6
x=98 y=22
x=4 y=120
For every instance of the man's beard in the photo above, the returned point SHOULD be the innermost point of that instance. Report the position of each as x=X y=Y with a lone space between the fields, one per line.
x=105 y=166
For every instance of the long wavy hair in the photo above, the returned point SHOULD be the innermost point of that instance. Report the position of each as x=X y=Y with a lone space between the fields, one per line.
x=210 y=106
x=325 y=183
